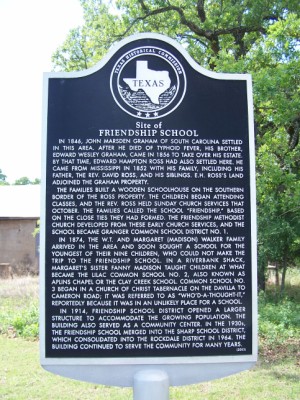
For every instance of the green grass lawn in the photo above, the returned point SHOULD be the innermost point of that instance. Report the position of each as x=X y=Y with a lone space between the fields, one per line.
x=276 y=376
x=22 y=378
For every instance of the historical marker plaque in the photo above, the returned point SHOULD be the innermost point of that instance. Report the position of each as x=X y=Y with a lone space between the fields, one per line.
x=149 y=224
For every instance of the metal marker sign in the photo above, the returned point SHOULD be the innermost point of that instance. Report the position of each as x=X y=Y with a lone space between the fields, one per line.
x=148 y=229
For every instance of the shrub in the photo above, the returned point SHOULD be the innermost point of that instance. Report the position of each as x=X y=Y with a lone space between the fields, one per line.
x=279 y=318
x=26 y=324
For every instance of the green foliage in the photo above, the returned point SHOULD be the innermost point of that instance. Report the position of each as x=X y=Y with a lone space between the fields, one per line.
x=278 y=189
x=37 y=229
x=20 y=321
x=21 y=181
x=90 y=42
x=212 y=32
x=26 y=181
x=27 y=323
x=279 y=318
x=2 y=179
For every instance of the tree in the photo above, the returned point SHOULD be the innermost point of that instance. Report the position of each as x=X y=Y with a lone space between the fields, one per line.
x=86 y=45
x=212 y=32
x=278 y=187
x=258 y=37
x=2 y=179
x=278 y=153
x=26 y=181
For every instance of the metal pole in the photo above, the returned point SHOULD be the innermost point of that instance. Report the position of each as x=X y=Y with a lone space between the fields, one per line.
x=151 y=385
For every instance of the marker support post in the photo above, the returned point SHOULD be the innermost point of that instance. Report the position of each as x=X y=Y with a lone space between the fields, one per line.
x=151 y=384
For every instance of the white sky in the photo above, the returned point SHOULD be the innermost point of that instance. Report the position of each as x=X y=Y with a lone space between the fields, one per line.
x=30 y=31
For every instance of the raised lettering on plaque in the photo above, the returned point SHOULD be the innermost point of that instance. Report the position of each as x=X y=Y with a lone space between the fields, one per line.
x=148 y=252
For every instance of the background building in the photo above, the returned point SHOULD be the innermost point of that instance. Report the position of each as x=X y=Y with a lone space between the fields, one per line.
x=19 y=216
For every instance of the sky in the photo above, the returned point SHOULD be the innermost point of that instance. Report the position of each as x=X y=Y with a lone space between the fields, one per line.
x=30 y=32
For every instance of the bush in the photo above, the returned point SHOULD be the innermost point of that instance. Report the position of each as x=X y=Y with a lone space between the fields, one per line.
x=27 y=323
x=279 y=318
x=19 y=319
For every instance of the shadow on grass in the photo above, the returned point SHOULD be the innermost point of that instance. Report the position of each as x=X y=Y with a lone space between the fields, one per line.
x=292 y=377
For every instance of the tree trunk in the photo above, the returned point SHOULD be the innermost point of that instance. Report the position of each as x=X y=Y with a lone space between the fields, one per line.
x=261 y=276
x=284 y=269
x=277 y=275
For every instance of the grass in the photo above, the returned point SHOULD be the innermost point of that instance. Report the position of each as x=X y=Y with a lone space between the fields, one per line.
x=22 y=378
x=19 y=307
x=276 y=376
